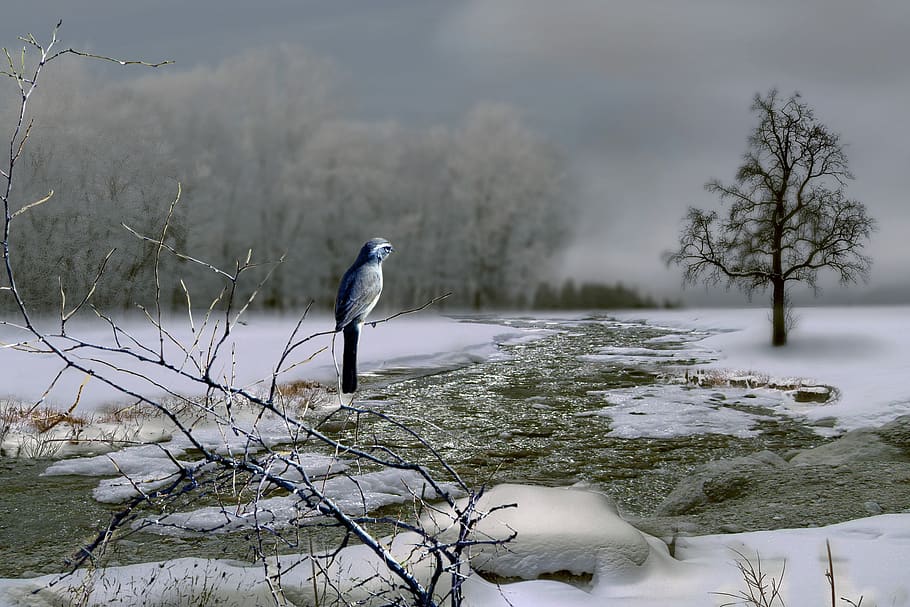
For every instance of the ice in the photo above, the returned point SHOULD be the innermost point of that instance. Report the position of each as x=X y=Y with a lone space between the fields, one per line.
x=147 y=467
x=132 y=460
x=650 y=356
x=526 y=336
x=677 y=339
x=665 y=411
x=354 y=495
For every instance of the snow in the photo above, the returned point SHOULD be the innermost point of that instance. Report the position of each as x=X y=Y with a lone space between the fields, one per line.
x=248 y=359
x=862 y=352
x=355 y=495
x=869 y=559
x=679 y=410
x=595 y=541
x=557 y=529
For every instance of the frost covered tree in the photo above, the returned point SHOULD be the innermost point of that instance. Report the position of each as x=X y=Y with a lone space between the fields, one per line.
x=477 y=206
x=506 y=186
x=787 y=216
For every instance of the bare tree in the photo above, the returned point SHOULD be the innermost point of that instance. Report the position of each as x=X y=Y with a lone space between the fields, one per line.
x=788 y=216
x=276 y=432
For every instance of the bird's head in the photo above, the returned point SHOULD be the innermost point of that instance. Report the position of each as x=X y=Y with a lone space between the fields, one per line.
x=376 y=248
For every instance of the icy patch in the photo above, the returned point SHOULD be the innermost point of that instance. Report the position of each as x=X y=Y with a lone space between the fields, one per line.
x=144 y=468
x=132 y=460
x=149 y=467
x=119 y=490
x=677 y=338
x=526 y=336
x=666 y=411
x=354 y=495
x=636 y=352
x=648 y=356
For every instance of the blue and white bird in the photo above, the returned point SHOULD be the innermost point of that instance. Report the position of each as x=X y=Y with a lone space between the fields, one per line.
x=358 y=293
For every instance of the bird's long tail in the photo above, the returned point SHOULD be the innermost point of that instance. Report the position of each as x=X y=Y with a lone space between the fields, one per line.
x=349 y=360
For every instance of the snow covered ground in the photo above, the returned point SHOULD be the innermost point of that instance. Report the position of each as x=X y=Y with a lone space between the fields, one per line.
x=249 y=358
x=863 y=352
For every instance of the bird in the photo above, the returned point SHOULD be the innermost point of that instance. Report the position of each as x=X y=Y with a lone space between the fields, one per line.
x=358 y=292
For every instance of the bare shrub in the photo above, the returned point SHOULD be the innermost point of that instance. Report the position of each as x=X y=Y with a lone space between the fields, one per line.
x=762 y=589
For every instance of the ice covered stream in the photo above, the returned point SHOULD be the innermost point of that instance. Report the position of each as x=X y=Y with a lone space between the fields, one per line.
x=557 y=401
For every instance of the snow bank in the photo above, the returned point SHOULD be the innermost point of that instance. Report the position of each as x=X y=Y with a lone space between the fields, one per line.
x=583 y=533
x=557 y=529
x=870 y=556
x=419 y=341
x=862 y=351
x=74 y=437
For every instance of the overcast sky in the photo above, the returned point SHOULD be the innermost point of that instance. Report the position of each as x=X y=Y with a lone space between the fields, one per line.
x=647 y=99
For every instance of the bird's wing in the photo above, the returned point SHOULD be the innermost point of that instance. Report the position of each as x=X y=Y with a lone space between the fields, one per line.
x=359 y=290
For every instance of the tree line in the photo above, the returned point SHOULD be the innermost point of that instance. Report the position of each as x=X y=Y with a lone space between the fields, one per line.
x=268 y=162
x=592 y=296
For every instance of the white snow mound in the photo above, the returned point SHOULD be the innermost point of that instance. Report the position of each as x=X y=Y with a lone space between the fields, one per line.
x=555 y=529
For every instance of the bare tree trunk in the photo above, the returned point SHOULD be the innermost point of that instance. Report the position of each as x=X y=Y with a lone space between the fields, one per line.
x=778 y=315
x=778 y=298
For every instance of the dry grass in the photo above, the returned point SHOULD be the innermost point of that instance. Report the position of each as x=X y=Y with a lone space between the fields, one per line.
x=31 y=427
x=13 y=414
x=725 y=378
x=304 y=395
x=718 y=378
x=763 y=589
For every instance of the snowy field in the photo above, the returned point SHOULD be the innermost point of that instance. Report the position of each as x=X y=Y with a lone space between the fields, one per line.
x=247 y=359
x=862 y=352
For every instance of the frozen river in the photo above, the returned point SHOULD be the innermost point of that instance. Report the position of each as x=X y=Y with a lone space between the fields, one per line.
x=628 y=404
x=552 y=401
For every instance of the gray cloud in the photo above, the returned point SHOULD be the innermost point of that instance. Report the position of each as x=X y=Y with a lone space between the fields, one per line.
x=666 y=88
x=648 y=99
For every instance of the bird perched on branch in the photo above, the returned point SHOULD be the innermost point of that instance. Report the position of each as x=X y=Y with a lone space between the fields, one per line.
x=358 y=293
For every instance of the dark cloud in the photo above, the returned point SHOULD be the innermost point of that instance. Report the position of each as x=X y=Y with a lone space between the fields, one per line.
x=647 y=99
x=666 y=88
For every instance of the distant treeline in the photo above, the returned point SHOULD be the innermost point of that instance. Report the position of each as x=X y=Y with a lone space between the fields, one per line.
x=592 y=296
x=269 y=162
